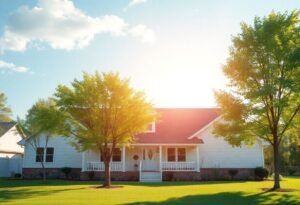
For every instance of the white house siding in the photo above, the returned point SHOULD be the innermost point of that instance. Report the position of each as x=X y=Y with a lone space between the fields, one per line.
x=8 y=143
x=64 y=154
x=216 y=153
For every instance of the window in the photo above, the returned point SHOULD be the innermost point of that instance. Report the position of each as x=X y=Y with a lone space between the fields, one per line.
x=171 y=155
x=39 y=154
x=181 y=155
x=49 y=154
x=150 y=128
x=176 y=155
x=116 y=155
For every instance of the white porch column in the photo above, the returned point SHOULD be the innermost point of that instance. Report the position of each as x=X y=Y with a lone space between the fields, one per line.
x=123 y=157
x=83 y=162
x=160 y=158
x=197 y=157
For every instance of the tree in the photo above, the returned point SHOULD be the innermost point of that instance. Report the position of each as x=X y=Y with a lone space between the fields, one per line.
x=263 y=99
x=5 y=111
x=104 y=113
x=43 y=121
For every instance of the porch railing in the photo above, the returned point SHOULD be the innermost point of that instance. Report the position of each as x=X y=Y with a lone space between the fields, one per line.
x=179 y=166
x=99 y=166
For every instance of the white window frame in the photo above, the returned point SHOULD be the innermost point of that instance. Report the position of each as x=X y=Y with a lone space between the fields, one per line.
x=41 y=155
x=49 y=154
x=153 y=127
x=44 y=156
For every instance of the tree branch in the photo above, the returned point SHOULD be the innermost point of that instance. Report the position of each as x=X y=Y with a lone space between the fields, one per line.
x=289 y=121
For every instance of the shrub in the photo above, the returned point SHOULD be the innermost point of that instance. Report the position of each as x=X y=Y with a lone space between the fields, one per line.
x=250 y=178
x=292 y=171
x=226 y=177
x=233 y=173
x=297 y=174
x=215 y=174
x=41 y=175
x=261 y=173
x=17 y=175
x=66 y=171
x=91 y=175
x=53 y=175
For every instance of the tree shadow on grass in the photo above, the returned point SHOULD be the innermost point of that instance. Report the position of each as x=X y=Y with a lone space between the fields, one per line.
x=182 y=183
x=29 y=183
x=23 y=193
x=230 y=198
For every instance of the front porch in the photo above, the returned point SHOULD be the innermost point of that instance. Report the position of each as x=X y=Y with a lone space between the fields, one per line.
x=147 y=160
x=165 y=166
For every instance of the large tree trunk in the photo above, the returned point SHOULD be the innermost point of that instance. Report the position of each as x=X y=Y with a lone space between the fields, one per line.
x=276 y=164
x=107 y=180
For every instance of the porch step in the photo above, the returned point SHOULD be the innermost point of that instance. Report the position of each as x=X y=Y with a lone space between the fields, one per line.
x=151 y=176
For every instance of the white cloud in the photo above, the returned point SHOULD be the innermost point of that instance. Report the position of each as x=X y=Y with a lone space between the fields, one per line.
x=12 y=67
x=142 y=32
x=61 y=25
x=135 y=2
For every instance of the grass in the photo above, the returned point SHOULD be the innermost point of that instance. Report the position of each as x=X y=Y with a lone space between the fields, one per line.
x=208 y=193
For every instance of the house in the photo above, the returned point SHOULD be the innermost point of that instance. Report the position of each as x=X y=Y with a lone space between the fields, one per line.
x=180 y=146
x=9 y=138
x=11 y=152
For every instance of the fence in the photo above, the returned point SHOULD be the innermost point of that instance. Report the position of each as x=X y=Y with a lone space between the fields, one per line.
x=10 y=166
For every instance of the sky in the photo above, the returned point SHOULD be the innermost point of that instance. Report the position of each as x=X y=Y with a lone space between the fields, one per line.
x=173 y=50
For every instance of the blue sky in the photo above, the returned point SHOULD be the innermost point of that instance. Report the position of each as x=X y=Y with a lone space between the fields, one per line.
x=171 y=49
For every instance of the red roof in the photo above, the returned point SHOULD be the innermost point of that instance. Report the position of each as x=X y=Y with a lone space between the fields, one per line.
x=176 y=125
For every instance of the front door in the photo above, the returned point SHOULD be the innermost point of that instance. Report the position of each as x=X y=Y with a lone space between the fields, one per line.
x=150 y=159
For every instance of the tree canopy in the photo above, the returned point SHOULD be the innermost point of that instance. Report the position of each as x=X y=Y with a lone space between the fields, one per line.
x=104 y=113
x=5 y=111
x=44 y=118
x=263 y=99
x=43 y=121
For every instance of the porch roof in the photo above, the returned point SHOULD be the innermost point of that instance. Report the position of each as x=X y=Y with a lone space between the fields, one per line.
x=176 y=125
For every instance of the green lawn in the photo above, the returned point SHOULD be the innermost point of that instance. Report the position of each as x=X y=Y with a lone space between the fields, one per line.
x=75 y=192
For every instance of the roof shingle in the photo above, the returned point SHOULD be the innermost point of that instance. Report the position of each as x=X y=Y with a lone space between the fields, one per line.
x=175 y=125
x=5 y=126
